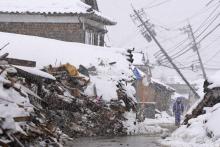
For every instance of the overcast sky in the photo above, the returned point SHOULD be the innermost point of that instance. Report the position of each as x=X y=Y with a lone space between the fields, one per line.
x=166 y=15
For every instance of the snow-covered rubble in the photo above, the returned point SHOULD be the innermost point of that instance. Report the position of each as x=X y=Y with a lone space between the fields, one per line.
x=10 y=107
x=49 y=51
x=80 y=104
x=36 y=72
x=202 y=121
x=19 y=118
x=203 y=131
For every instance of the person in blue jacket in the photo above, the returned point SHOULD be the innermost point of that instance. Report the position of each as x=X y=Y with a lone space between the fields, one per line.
x=178 y=109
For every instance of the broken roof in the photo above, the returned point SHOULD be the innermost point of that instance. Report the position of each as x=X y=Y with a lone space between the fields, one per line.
x=53 y=7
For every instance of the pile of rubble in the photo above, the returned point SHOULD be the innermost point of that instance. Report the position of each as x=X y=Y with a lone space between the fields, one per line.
x=23 y=123
x=78 y=114
x=43 y=105
x=211 y=98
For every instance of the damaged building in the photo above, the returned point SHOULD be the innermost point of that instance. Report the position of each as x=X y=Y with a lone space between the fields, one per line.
x=151 y=93
x=68 y=20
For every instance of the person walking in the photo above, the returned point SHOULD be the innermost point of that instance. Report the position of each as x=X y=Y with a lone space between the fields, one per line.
x=178 y=109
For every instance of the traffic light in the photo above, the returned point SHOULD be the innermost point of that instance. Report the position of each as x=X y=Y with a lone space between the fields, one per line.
x=130 y=55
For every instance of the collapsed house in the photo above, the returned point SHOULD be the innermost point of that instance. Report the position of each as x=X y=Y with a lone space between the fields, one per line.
x=87 y=98
x=154 y=93
x=49 y=105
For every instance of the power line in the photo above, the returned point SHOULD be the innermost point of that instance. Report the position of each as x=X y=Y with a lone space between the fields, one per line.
x=158 y=4
x=216 y=17
x=201 y=49
x=182 y=52
x=209 y=33
x=200 y=12
x=158 y=53
x=203 y=23
x=210 y=44
x=211 y=58
x=172 y=49
x=151 y=3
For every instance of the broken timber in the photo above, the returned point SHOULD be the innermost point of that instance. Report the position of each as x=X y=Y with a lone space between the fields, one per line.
x=21 y=62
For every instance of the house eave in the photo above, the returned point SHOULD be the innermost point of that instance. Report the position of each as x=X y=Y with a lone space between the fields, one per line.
x=91 y=16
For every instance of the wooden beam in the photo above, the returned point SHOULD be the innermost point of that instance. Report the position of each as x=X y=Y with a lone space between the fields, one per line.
x=21 y=62
x=22 y=118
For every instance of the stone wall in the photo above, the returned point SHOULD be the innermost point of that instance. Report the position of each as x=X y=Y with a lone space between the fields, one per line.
x=61 y=31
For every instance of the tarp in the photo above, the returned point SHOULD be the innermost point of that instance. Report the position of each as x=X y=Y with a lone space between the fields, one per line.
x=72 y=71
x=137 y=74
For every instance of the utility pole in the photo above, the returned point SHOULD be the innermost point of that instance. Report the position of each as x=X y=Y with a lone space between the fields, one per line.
x=147 y=64
x=149 y=33
x=196 y=49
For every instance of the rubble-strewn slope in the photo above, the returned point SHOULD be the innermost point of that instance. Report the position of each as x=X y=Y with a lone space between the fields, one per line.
x=22 y=123
x=49 y=51
x=201 y=126
x=85 y=95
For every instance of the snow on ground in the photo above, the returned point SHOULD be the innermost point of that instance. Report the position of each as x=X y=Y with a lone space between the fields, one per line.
x=214 y=79
x=49 y=51
x=149 y=126
x=203 y=131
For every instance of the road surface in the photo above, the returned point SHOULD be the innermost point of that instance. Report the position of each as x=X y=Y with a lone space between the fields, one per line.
x=129 y=141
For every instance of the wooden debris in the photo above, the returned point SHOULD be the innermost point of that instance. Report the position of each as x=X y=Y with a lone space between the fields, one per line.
x=22 y=118
x=21 y=62
x=62 y=105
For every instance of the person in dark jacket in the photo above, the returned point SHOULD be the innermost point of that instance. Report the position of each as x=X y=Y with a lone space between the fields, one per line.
x=178 y=109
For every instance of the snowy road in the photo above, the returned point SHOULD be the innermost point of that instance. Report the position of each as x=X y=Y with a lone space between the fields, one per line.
x=130 y=141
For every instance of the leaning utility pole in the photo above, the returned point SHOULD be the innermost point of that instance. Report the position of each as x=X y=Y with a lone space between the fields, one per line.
x=196 y=49
x=149 y=34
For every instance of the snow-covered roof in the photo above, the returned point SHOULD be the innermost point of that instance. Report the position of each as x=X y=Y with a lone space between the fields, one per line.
x=52 y=7
x=162 y=84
